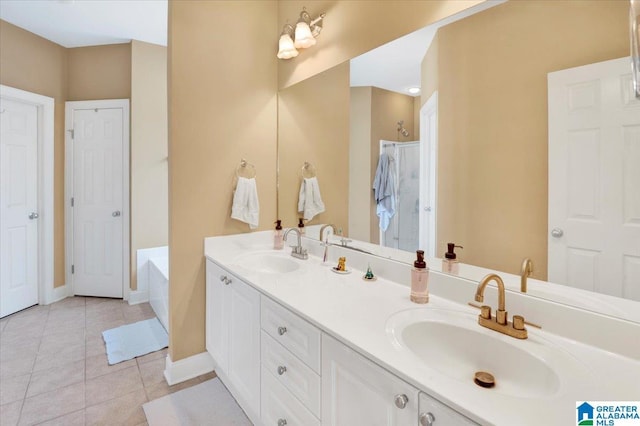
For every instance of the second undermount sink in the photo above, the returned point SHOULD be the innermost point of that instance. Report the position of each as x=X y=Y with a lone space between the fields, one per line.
x=452 y=343
x=267 y=262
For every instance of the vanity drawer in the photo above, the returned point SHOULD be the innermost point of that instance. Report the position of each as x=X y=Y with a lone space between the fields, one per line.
x=287 y=369
x=279 y=407
x=292 y=332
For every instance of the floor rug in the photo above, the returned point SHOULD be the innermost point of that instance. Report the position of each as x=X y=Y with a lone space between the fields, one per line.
x=208 y=403
x=132 y=340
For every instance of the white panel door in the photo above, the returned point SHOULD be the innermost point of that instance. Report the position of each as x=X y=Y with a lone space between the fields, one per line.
x=18 y=206
x=594 y=176
x=98 y=229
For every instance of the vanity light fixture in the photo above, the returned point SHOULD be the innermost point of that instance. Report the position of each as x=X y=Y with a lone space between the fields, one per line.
x=303 y=36
x=286 y=48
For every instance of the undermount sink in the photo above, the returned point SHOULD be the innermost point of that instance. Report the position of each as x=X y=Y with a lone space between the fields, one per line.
x=267 y=262
x=454 y=344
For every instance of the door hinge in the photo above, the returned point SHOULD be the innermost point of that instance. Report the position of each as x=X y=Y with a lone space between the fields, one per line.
x=73 y=269
x=72 y=201
x=73 y=133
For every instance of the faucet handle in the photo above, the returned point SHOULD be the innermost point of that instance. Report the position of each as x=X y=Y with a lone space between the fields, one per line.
x=518 y=322
x=485 y=312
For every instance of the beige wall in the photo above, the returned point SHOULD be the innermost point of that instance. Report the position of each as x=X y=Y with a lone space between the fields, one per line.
x=149 y=157
x=222 y=106
x=493 y=120
x=31 y=63
x=353 y=27
x=314 y=127
x=360 y=163
x=99 y=72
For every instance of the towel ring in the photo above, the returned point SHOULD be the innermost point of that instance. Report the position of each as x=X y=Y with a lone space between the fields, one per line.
x=246 y=170
x=308 y=170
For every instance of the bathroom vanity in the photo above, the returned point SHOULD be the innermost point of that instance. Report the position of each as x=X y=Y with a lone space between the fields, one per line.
x=297 y=344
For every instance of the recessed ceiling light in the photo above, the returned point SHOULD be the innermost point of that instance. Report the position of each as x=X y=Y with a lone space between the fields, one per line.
x=413 y=90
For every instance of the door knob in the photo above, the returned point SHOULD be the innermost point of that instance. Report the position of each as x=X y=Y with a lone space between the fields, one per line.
x=427 y=419
x=33 y=215
x=557 y=232
x=427 y=209
x=116 y=213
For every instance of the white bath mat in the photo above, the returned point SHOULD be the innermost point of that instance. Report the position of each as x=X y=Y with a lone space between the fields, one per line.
x=208 y=403
x=132 y=340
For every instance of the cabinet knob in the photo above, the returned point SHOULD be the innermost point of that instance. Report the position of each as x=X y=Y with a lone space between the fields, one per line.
x=282 y=330
x=401 y=401
x=557 y=232
x=223 y=278
x=281 y=370
x=282 y=422
x=427 y=419
x=228 y=281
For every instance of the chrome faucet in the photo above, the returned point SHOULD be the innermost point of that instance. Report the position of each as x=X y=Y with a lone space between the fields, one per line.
x=525 y=271
x=501 y=322
x=323 y=227
x=297 y=251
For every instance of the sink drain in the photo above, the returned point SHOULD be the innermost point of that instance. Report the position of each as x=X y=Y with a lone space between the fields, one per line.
x=484 y=379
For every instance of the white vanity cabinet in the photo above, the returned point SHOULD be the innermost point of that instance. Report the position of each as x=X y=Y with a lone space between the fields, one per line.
x=233 y=334
x=356 y=391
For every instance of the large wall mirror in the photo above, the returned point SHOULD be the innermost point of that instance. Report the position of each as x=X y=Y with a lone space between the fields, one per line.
x=493 y=194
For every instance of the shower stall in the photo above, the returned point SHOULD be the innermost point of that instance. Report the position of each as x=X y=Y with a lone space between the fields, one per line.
x=403 y=230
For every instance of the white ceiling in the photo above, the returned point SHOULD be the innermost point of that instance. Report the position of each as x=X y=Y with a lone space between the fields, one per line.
x=76 y=23
x=395 y=66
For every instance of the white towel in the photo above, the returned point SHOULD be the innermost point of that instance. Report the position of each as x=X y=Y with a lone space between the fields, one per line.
x=246 y=207
x=384 y=190
x=309 y=200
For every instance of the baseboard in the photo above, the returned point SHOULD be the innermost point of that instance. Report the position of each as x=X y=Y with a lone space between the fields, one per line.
x=57 y=294
x=187 y=368
x=138 y=296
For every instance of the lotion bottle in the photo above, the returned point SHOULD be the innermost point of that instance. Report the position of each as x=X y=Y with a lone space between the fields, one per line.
x=420 y=279
x=278 y=241
x=450 y=262
x=301 y=226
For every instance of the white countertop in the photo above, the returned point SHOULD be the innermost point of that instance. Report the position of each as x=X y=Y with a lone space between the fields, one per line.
x=356 y=312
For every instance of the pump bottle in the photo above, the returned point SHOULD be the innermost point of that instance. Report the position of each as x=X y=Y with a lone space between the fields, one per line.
x=278 y=241
x=420 y=279
x=450 y=262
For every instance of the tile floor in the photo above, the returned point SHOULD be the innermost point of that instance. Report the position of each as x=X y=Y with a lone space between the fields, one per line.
x=54 y=370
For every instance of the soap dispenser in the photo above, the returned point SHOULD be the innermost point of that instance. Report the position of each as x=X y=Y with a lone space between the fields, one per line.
x=278 y=240
x=301 y=226
x=420 y=279
x=450 y=262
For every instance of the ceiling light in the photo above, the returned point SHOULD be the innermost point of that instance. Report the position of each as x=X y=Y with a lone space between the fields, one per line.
x=414 y=90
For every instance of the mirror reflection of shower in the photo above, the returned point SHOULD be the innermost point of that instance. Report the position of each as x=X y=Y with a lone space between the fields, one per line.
x=401 y=130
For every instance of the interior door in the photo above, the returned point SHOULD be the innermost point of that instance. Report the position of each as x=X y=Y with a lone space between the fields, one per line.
x=98 y=201
x=18 y=206
x=594 y=171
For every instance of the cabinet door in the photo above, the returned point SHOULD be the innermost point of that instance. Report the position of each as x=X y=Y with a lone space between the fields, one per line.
x=356 y=391
x=434 y=411
x=217 y=327
x=244 y=343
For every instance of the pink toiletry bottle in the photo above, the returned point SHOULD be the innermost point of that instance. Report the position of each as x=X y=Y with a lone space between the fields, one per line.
x=450 y=262
x=420 y=279
x=278 y=241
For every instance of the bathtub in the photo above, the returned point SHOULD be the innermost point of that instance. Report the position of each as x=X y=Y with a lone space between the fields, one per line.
x=153 y=281
x=159 y=288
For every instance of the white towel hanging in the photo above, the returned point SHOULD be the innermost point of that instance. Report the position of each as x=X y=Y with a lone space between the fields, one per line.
x=246 y=207
x=310 y=201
